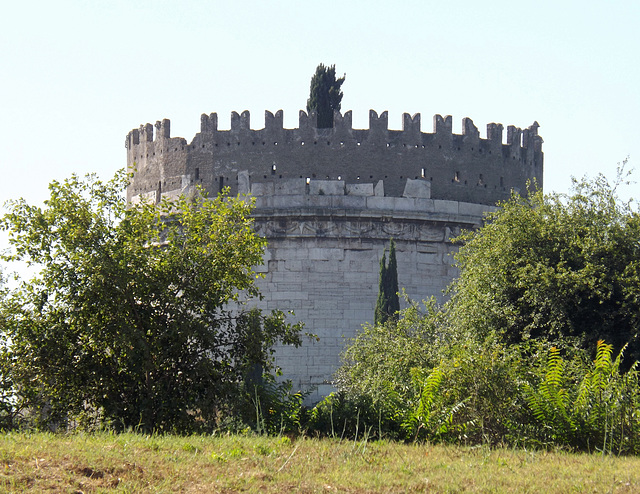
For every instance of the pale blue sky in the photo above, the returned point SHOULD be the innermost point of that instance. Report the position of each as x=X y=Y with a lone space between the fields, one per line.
x=78 y=75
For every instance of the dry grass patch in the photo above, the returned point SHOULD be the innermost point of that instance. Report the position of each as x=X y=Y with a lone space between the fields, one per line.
x=135 y=463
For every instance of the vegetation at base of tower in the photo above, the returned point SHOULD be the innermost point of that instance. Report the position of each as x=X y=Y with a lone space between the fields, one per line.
x=125 y=324
x=538 y=345
x=388 y=303
x=555 y=265
x=325 y=94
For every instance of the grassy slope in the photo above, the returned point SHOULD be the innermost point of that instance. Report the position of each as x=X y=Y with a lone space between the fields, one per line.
x=136 y=463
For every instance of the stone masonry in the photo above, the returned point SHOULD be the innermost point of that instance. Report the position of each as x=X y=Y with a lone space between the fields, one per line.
x=329 y=200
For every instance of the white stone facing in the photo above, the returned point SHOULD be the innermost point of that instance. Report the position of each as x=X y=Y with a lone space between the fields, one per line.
x=326 y=187
x=379 y=189
x=262 y=189
x=417 y=188
x=360 y=189
x=243 y=182
x=294 y=186
x=323 y=258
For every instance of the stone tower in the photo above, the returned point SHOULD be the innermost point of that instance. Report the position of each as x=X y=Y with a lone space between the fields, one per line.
x=329 y=200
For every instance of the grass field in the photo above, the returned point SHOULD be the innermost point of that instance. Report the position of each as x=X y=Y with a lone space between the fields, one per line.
x=135 y=463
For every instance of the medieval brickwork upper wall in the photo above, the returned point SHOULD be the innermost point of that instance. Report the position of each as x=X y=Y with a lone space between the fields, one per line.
x=459 y=167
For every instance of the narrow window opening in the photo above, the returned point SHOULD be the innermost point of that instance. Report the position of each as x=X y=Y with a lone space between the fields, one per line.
x=308 y=180
x=197 y=173
x=221 y=183
x=456 y=177
x=422 y=174
x=159 y=193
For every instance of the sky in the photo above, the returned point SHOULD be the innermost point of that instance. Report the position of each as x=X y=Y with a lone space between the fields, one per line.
x=77 y=76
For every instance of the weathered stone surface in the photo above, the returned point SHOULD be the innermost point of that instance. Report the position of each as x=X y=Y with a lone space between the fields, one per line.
x=460 y=167
x=360 y=189
x=329 y=200
x=417 y=188
x=243 y=182
x=291 y=187
x=323 y=263
x=326 y=187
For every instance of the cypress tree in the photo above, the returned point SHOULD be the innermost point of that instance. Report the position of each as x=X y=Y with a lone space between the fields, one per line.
x=388 y=303
x=392 y=282
x=325 y=94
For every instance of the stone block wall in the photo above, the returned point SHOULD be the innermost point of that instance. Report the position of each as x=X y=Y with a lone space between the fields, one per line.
x=329 y=200
x=459 y=167
x=323 y=258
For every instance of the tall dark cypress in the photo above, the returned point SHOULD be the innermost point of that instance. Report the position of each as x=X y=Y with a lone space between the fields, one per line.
x=325 y=94
x=388 y=303
x=392 y=283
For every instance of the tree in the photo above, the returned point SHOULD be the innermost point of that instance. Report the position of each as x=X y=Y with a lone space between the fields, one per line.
x=554 y=266
x=127 y=318
x=388 y=303
x=325 y=95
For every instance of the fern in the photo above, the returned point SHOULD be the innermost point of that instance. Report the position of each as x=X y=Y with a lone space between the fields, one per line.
x=551 y=402
x=432 y=417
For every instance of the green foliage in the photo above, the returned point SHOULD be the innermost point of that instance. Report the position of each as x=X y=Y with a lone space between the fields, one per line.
x=559 y=272
x=325 y=95
x=126 y=319
x=587 y=405
x=554 y=265
x=378 y=362
x=429 y=414
x=348 y=415
x=388 y=303
x=271 y=407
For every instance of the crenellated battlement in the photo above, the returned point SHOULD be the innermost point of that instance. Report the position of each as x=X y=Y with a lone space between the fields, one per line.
x=461 y=167
x=328 y=200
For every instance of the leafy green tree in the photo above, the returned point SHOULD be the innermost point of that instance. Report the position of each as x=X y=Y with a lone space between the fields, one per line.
x=325 y=95
x=554 y=265
x=388 y=303
x=127 y=318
